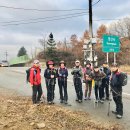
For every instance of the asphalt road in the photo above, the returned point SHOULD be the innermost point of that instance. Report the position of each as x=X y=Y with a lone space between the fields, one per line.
x=15 y=79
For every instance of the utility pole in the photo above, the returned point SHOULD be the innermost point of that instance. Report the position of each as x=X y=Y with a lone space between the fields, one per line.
x=91 y=31
x=65 y=44
x=6 y=55
x=90 y=19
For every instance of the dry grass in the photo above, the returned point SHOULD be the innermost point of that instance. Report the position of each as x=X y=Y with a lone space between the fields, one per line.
x=125 y=68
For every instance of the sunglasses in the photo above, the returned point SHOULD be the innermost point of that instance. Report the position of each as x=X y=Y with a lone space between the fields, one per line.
x=77 y=62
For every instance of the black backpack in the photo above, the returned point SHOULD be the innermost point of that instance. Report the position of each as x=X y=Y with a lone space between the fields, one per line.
x=123 y=78
x=28 y=74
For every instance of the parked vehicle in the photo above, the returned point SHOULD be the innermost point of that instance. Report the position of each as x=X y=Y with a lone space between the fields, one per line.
x=4 y=63
x=0 y=63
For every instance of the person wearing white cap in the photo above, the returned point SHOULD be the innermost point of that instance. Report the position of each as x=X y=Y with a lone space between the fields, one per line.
x=77 y=76
x=35 y=81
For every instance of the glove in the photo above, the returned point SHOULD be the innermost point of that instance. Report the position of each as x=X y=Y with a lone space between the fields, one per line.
x=64 y=75
x=77 y=72
x=84 y=81
x=60 y=75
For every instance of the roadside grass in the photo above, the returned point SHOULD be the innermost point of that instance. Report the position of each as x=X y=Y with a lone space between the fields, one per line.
x=125 y=68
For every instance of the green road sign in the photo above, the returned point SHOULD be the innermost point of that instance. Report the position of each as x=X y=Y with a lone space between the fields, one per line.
x=111 y=43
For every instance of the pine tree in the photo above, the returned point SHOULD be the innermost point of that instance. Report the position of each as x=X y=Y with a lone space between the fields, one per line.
x=22 y=51
x=51 y=41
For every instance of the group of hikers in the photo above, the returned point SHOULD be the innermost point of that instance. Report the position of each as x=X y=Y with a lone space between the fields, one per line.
x=102 y=78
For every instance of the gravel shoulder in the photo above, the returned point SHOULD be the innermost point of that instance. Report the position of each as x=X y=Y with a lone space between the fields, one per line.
x=18 y=113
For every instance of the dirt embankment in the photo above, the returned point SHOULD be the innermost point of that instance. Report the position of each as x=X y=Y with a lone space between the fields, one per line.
x=18 y=113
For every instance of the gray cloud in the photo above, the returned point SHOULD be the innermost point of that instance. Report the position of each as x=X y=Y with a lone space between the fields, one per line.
x=13 y=37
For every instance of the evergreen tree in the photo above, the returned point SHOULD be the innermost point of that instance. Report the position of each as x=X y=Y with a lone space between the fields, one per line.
x=51 y=41
x=22 y=51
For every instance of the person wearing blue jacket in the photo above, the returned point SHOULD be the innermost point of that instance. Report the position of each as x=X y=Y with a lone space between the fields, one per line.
x=62 y=82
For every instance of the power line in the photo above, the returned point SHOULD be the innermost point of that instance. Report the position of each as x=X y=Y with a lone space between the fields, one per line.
x=73 y=16
x=50 y=20
x=32 y=9
x=43 y=18
x=105 y=19
x=96 y=2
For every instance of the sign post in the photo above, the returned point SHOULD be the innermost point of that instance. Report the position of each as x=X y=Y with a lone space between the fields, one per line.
x=107 y=57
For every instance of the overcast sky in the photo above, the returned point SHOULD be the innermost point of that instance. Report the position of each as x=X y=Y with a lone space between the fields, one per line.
x=12 y=37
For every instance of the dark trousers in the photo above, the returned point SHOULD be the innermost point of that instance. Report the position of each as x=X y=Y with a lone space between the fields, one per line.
x=98 y=92
x=78 y=88
x=105 y=88
x=88 y=89
x=50 y=84
x=62 y=82
x=36 y=89
x=118 y=101
x=50 y=93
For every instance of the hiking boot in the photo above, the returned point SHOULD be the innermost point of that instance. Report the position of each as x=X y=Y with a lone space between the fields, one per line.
x=80 y=101
x=65 y=102
x=114 y=112
x=119 y=116
x=85 y=98
x=52 y=102
x=61 y=101
x=96 y=101
x=49 y=102
x=101 y=101
x=89 y=98
x=107 y=99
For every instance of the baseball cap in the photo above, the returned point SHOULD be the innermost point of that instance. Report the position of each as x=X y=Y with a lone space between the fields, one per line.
x=114 y=65
x=95 y=67
x=50 y=62
x=77 y=61
x=36 y=62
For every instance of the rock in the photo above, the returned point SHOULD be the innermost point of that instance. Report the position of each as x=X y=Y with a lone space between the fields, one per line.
x=10 y=101
x=32 y=123
x=41 y=125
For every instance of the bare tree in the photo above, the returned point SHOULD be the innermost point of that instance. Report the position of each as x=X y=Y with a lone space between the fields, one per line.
x=121 y=28
x=43 y=43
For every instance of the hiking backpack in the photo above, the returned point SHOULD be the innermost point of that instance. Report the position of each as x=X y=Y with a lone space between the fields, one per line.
x=28 y=74
x=124 y=78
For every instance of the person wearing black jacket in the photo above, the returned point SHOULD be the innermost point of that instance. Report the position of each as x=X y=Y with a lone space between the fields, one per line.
x=77 y=79
x=105 y=81
x=88 y=81
x=62 y=82
x=98 y=76
x=50 y=75
x=116 y=88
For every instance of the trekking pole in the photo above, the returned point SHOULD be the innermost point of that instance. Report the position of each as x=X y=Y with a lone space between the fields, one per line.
x=108 y=109
x=109 y=103
x=93 y=86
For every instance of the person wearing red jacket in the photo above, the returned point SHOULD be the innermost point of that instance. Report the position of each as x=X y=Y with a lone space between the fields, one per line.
x=35 y=81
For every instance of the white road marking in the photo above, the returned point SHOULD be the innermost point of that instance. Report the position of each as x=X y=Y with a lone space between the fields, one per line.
x=126 y=94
